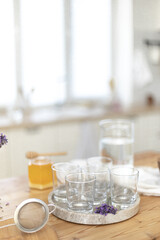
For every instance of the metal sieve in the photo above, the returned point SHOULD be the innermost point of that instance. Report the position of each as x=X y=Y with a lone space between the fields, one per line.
x=31 y=215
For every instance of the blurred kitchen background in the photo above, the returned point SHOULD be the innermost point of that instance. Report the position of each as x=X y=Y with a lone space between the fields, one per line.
x=67 y=64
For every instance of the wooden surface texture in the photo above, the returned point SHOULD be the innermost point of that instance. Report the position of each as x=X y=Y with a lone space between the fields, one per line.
x=145 y=225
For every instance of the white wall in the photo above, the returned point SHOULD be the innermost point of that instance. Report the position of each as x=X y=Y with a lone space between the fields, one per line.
x=146 y=15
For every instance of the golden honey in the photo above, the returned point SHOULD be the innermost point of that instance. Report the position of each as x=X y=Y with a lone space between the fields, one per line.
x=40 y=173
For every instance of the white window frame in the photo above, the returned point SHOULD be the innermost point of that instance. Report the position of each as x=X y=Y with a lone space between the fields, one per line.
x=116 y=46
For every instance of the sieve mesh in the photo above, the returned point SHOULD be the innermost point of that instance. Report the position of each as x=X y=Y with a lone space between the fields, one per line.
x=32 y=215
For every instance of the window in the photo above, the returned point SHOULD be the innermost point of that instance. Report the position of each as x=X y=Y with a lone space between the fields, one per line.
x=90 y=59
x=7 y=54
x=42 y=46
x=59 y=48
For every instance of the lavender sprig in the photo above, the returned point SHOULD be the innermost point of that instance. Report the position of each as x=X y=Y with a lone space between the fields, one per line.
x=3 y=140
x=104 y=209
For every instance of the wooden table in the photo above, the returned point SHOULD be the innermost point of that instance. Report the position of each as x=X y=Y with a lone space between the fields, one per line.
x=145 y=225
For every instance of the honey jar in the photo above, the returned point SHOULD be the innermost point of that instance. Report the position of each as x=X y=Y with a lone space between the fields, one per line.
x=40 y=173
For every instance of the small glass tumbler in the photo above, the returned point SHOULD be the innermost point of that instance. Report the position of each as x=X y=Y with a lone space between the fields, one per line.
x=100 y=161
x=100 y=166
x=59 y=171
x=124 y=181
x=80 y=191
x=117 y=141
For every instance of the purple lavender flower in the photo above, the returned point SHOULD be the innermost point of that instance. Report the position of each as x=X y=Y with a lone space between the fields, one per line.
x=104 y=209
x=3 y=140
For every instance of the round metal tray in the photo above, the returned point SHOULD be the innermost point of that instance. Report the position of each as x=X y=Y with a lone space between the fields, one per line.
x=62 y=212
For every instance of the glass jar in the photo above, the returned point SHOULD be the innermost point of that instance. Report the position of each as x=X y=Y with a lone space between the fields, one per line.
x=40 y=173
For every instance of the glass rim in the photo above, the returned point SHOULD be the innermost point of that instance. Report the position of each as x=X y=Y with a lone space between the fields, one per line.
x=41 y=157
x=86 y=181
x=115 y=120
x=41 y=160
x=99 y=157
x=97 y=172
x=135 y=171
x=62 y=163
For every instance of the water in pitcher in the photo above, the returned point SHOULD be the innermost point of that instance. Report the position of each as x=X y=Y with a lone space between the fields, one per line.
x=119 y=149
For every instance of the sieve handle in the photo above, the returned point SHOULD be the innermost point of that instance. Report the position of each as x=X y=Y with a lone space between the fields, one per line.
x=7 y=225
x=51 y=205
